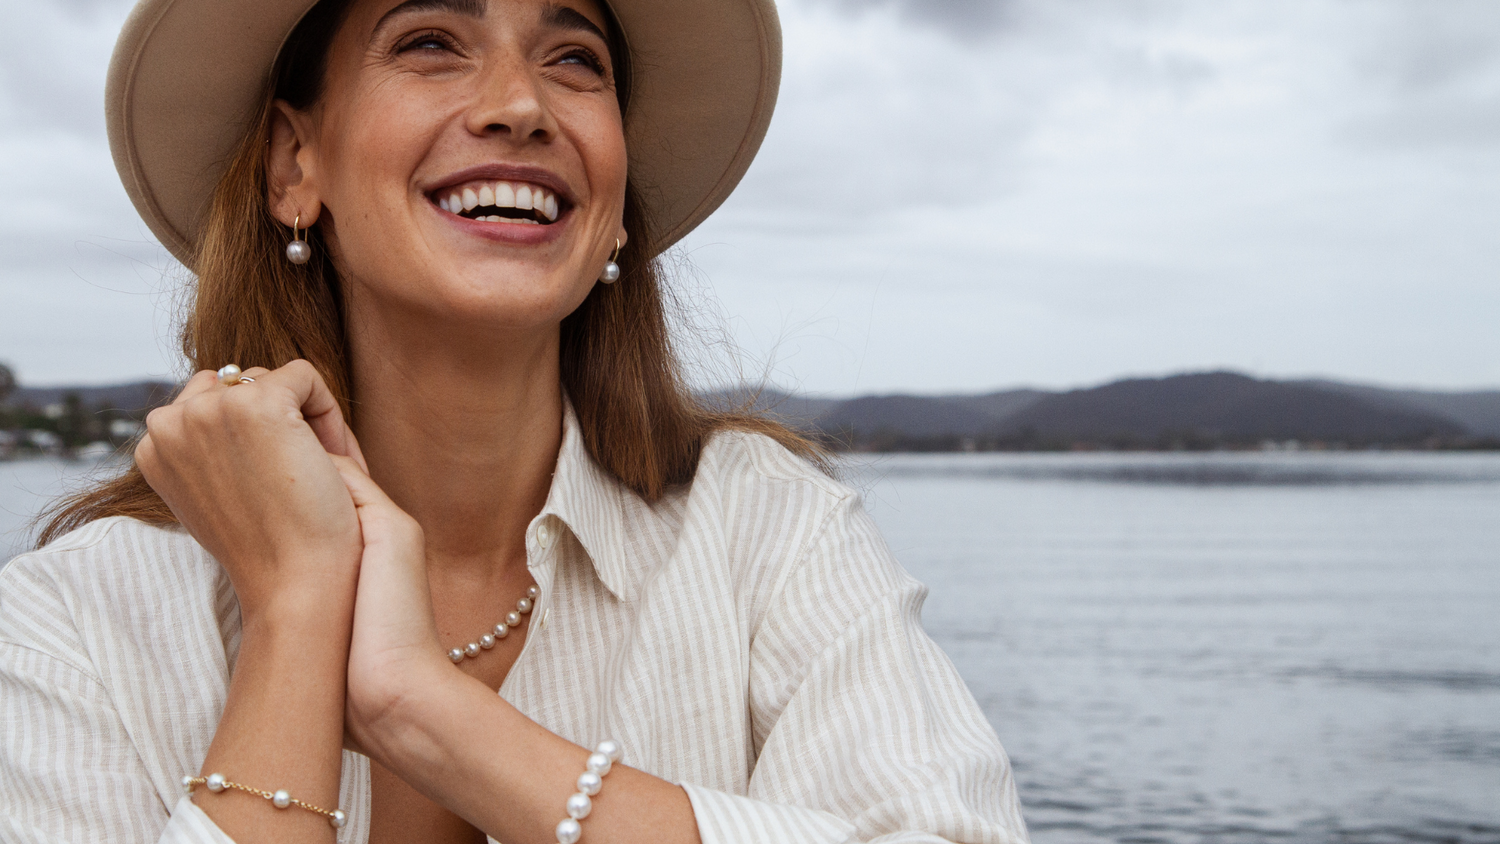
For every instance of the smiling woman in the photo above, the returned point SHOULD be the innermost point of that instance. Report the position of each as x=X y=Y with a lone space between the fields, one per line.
x=456 y=554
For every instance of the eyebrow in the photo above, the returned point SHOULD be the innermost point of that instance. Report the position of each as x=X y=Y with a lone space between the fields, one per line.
x=469 y=8
x=564 y=17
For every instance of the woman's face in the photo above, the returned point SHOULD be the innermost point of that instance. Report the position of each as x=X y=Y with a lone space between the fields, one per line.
x=467 y=157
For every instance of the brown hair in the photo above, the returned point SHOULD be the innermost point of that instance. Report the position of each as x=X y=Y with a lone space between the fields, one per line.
x=252 y=307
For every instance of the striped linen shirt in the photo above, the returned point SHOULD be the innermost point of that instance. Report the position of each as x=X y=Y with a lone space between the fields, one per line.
x=748 y=636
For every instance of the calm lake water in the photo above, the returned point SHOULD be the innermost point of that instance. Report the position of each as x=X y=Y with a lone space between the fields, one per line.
x=1193 y=648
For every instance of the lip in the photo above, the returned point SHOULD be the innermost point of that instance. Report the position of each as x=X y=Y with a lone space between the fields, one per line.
x=513 y=233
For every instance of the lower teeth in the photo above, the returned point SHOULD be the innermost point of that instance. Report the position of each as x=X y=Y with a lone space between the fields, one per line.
x=495 y=218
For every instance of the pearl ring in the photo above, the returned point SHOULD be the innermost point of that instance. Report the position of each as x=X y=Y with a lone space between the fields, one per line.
x=231 y=375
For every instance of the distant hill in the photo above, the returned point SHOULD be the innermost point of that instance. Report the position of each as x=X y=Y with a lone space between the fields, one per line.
x=1194 y=411
x=1477 y=411
x=136 y=397
x=1225 y=408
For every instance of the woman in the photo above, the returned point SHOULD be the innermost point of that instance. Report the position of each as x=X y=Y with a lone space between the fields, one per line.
x=462 y=462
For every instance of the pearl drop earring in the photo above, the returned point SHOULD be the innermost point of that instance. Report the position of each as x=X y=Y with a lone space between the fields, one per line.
x=611 y=272
x=298 y=252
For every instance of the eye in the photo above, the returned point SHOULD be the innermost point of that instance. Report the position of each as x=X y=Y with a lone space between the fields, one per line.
x=429 y=41
x=584 y=58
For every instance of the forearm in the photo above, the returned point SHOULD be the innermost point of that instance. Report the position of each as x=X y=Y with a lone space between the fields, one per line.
x=468 y=749
x=282 y=726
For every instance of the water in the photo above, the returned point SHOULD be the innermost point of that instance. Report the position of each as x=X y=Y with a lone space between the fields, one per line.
x=1231 y=648
x=28 y=485
x=1193 y=648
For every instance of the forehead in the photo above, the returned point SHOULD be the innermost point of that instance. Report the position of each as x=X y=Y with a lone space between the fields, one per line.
x=367 y=16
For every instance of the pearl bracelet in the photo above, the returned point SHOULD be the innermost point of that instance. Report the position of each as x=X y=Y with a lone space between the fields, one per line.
x=279 y=798
x=605 y=754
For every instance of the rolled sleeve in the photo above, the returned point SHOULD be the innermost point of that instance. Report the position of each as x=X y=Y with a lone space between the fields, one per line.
x=68 y=768
x=858 y=714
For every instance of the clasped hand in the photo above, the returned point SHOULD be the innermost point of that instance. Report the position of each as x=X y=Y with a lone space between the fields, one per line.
x=269 y=479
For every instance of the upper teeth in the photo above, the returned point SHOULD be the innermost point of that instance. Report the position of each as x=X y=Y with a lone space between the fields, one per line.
x=501 y=195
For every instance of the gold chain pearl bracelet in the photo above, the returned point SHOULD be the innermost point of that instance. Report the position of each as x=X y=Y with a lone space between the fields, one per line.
x=279 y=798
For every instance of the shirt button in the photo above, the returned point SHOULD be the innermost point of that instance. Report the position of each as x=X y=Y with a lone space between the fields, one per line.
x=543 y=535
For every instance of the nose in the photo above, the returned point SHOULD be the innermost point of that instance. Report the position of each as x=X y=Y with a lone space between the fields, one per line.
x=512 y=104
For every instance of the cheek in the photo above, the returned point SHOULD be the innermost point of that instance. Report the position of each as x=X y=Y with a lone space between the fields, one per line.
x=370 y=166
x=600 y=140
x=378 y=144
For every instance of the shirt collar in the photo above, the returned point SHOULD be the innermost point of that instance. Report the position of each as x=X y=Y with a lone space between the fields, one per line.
x=596 y=508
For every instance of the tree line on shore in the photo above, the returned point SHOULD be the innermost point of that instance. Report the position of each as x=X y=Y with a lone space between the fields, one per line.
x=69 y=421
x=1189 y=412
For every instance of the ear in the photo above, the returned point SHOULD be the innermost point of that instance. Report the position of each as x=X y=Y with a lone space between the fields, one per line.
x=291 y=167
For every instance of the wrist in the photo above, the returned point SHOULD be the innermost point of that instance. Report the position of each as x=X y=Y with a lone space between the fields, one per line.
x=302 y=614
x=416 y=714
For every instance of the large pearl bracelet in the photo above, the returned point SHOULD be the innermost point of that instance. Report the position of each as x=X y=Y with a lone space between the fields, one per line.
x=605 y=754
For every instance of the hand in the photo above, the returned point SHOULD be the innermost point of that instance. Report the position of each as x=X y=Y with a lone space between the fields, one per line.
x=247 y=471
x=395 y=651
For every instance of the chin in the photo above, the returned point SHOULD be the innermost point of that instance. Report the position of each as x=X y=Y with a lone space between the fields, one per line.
x=503 y=296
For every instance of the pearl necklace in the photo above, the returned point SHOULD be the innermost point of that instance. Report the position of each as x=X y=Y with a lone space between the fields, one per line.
x=488 y=640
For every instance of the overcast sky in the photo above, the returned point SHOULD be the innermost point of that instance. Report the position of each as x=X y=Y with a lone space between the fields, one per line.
x=959 y=195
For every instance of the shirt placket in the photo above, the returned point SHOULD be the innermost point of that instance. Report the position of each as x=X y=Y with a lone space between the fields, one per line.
x=542 y=542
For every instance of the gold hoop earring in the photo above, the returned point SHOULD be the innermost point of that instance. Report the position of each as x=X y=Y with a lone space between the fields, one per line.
x=298 y=252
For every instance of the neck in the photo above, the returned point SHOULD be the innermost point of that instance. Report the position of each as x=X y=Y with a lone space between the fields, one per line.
x=462 y=432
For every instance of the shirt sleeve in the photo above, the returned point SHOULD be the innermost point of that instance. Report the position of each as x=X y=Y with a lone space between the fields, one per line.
x=68 y=768
x=863 y=729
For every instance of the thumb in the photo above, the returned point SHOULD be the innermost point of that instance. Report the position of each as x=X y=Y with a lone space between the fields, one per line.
x=380 y=520
x=364 y=490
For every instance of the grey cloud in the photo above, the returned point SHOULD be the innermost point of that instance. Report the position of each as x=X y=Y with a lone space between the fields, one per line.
x=1437 y=46
x=966 y=19
x=1433 y=70
x=54 y=75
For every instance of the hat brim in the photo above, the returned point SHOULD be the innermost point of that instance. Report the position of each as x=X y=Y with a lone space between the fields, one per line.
x=187 y=77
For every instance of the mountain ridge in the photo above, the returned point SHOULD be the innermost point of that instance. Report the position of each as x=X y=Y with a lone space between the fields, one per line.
x=1195 y=410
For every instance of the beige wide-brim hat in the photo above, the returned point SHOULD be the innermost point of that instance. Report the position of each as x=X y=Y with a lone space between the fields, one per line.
x=187 y=77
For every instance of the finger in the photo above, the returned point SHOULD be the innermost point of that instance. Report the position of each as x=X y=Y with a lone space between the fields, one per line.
x=362 y=489
x=202 y=381
x=355 y=454
x=318 y=406
x=145 y=456
x=350 y=446
x=352 y=449
x=380 y=518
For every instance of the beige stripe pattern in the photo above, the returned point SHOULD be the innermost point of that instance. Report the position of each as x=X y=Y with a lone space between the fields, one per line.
x=748 y=636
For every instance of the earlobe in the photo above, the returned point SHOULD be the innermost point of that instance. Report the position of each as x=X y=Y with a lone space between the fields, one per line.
x=290 y=174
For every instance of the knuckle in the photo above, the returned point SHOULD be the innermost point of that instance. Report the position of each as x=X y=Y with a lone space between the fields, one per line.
x=199 y=409
x=162 y=419
x=146 y=458
x=239 y=399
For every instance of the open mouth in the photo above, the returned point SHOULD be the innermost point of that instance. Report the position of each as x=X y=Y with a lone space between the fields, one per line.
x=501 y=202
